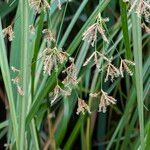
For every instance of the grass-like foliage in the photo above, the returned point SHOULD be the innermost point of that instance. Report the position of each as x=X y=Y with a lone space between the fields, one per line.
x=76 y=74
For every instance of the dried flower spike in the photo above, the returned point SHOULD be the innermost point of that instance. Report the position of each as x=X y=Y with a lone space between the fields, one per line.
x=112 y=72
x=20 y=90
x=94 y=95
x=71 y=78
x=124 y=66
x=48 y=36
x=142 y=8
x=146 y=28
x=51 y=59
x=16 y=80
x=14 y=69
x=39 y=5
x=82 y=107
x=90 y=35
x=32 y=29
x=105 y=101
x=97 y=55
x=8 y=32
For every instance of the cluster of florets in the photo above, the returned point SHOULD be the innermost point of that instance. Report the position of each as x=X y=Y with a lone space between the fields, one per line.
x=141 y=7
x=104 y=101
x=42 y=5
x=17 y=80
x=112 y=72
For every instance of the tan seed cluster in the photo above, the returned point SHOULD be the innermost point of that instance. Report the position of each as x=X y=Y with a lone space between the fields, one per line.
x=8 y=32
x=48 y=35
x=90 y=35
x=39 y=5
x=32 y=29
x=105 y=100
x=52 y=58
x=82 y=107
x=142 y=8
x=17 y=80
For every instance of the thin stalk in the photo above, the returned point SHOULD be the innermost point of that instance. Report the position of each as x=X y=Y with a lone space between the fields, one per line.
x=64 y=38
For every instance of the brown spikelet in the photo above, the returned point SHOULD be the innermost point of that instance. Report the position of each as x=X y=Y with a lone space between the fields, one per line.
x=52 y=58
x=112 y=72
x=20 y=90
x=39 y=5
x=105 y=101
x=8 y=32
x=124 y=66
x=82 y=107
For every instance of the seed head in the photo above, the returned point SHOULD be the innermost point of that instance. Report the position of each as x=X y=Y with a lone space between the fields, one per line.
x=112 y=72
x=16 y=80
x=32 y=29
x=51 y=59
x=39 y=5
x=105 y=101
x=82 y=107
x=14 y=69
x=8 y=32
x=90 y=35
x=97 y=55
x=71 y=72
x=142 y=8
x=48 y=36
x=20 y=90
x=124 y=66
x=146 y=28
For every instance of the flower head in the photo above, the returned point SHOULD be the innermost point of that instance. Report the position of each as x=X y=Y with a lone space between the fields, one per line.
x=105 y=101
x=146 y=28
x=48 y=36
x=97 y=55
x=71 y=78
x=124 y=66
x=142 y=8
x=32 y=29
x=57 y=92
x=90 y=35
x=14 y=69
x=112 y=72
x=39 y=5
x=20 y=90
x=82 y=107
x=51 y=59
x=16 y=80
x=8 y=32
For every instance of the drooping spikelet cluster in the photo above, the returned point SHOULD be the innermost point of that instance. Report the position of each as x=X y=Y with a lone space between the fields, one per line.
x=17 y=80
x=8 y=32
x=43 y=5
x=82 y=107
x=146 y=28
x=105 y=100
x=90 y=35
x=48 y=35
x=39 y=5
x=141 y=7
x=52 y=57
x=111 y=70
